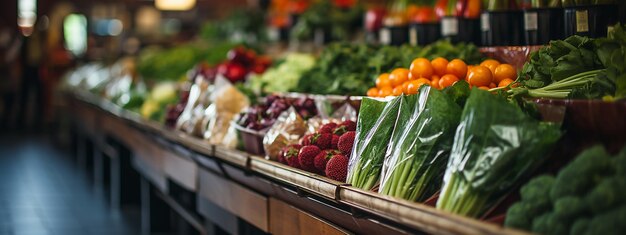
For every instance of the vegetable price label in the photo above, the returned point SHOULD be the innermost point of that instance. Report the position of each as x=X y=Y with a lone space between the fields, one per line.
x=484 y=22
x=449 y=26
x=582 y=21
x=413 y=36
x=530 y=21
x=385 y=36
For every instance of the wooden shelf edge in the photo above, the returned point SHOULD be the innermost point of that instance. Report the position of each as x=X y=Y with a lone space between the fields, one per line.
x=419 y=216
x=309 y=182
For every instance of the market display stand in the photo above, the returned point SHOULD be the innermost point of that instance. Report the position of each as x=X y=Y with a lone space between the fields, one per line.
x=212 y=188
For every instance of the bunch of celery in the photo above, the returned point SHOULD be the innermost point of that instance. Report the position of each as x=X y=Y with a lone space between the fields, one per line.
x=420 y=145
x=374 y=126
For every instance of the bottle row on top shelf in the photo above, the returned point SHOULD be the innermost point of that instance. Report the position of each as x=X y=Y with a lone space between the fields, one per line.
x=533 y=26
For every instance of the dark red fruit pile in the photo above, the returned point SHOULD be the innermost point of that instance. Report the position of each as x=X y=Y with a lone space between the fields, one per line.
x=325 y=152
x=262 y=116
x=240 y=62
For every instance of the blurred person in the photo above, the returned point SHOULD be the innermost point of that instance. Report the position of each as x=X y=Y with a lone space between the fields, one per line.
x=9 y=74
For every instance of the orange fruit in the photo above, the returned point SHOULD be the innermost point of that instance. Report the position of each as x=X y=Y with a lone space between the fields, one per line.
x=505 y=82
x=397 y=91
x=469 y=68
x=479 y=76
x=493 y=85
x=504 y=71
x=372 y=92
x=385 y=91
x=491 y=64
x=434 y=82
x=439 y=66
x=404 y=86
x=457 y=68
x=422 y=81
x=398 y=76
x=383 y=80
x=413 y=87
x=447 y=80
x=483 y=88
x=421 y=68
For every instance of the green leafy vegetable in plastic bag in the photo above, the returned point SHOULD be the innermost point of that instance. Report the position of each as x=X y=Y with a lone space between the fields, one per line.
x=495 y=146
x=374 y=126
x=420 y=145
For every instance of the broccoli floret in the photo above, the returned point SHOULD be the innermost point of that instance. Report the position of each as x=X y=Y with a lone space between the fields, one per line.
x=535 y=194
x=579 y=176
x=619 y=162
x=570 y=208
x=549 y=224
x=610 y=193
x=609 y=223
x=517 y=217
x=580 y=227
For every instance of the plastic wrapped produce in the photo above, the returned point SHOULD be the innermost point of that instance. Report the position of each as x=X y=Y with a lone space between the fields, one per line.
x=419 y=148
x=495 y=146
x=374 y=127
x=226 y=102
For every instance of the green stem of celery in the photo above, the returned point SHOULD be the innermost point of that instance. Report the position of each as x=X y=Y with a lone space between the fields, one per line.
x=408 y=181
x=402 y=178
x=395 y=178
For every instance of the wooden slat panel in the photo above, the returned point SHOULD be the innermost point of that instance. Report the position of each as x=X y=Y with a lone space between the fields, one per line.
x=244 y=203
x=155 y=176
x=285 y=219
x=181 y=170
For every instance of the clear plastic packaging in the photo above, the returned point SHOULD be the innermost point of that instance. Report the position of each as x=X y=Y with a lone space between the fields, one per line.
x=420 y=145
x=288 y=129
x=375 y=124
x=226 y=102
x=198 y=101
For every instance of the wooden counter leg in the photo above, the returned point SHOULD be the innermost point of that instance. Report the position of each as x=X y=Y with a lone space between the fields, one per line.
x=155 y=214
x=124 y=179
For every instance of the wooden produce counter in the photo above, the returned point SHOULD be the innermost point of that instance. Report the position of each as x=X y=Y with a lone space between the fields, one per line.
x=273 y=197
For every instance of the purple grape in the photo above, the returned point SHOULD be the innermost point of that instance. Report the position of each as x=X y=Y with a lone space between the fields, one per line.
x=271 y=99
x=267 y=122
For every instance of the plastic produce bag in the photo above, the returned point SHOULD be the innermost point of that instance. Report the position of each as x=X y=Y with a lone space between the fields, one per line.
x=495 y=146
x=344 y=113
x=420 y=145
x=374 y=127
x=189 y=120
x=288 y=129
x=226 y=102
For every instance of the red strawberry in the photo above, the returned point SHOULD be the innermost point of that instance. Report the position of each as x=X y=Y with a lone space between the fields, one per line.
x=322 y=158
x=306 y=140
x=282 y=156
x=306 y=157
x=345 y=142
x=350 y=125
x=334 y=141
x=328 y=128
x=324 y=141
x=291 y=155
x=337 y=168
x=344 y=127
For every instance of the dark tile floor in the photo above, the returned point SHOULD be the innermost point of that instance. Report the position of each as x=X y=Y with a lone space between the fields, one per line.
x=43 y=192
